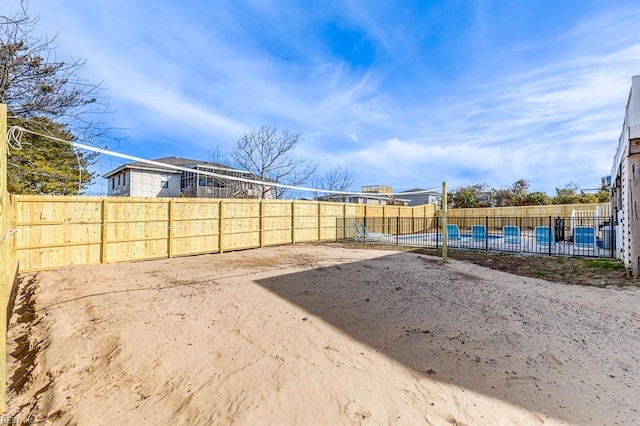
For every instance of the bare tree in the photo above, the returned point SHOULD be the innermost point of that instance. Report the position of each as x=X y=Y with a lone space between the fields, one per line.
x=269 y=154
x=335 y=179
x=219 y=157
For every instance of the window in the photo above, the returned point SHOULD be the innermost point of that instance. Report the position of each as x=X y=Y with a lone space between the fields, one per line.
x=118 y=180
x=202 y=181
x=124 y=178
x=165 y=184
x=113 y=183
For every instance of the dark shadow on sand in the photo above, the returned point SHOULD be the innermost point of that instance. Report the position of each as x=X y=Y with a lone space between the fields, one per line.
x=394 y=305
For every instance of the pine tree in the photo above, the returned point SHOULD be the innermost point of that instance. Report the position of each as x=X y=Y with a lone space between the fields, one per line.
x=48 y=96
x=44 y=166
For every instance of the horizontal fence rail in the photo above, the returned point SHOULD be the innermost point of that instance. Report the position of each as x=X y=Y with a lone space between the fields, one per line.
x=588 y=236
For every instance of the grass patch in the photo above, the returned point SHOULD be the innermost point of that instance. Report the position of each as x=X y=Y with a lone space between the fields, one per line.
x=607 y=264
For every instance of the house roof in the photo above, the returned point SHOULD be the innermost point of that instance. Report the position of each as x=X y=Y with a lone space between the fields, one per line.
x=139 y=166
x=180 y=161
x=421 y=189
x=173 y=161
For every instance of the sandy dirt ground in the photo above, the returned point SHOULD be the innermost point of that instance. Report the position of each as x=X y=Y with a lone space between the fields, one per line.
x=313 y=334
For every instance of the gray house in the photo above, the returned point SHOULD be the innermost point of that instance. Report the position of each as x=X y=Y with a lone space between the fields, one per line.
x=140 y=179
x=430 y=197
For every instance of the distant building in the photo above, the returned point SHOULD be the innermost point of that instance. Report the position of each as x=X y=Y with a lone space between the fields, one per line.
x=429 y=197
x=142 y=179
x=372 y=195
x=377 y=189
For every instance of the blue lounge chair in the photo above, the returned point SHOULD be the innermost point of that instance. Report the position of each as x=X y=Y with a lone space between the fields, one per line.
x=479 y=236
x=453 y=235
x=584 y=241
x=511 y=237
x=545 y=240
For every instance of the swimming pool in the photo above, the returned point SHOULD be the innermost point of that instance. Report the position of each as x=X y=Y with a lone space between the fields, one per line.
x=433 y=239
x=432 y=236
x=489 y=237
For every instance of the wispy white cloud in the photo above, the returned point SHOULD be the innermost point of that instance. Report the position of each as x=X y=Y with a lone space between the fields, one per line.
x=216 y=84
x=551 y=124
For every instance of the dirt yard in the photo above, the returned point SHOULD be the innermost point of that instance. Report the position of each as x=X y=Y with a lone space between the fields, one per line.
x=321 y=334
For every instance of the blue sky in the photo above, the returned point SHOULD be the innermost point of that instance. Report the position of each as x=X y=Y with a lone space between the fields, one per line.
x=404 y=93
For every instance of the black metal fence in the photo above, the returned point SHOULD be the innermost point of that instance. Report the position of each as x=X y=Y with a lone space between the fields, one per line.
x=562 y=236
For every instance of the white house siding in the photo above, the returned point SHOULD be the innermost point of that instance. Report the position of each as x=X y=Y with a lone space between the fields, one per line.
x=144 y=181
x=149 y=184
x=625 y=183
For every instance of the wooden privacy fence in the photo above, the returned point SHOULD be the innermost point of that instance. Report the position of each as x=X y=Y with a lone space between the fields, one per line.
x=57 y=231
x=528 y=216
x=8 y=260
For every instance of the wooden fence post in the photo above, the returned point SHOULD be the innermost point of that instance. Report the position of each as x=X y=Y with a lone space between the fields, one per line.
x=261 y=223
x=293 y=222
x=344 y=211
x=413 y=220
x=366 y=216
x=319 y=221
x=170 y=231
x=105 y=217
x=344 y=222
x=444 y=221
x=221 y=227
x=384 y=221
x=6 y=283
